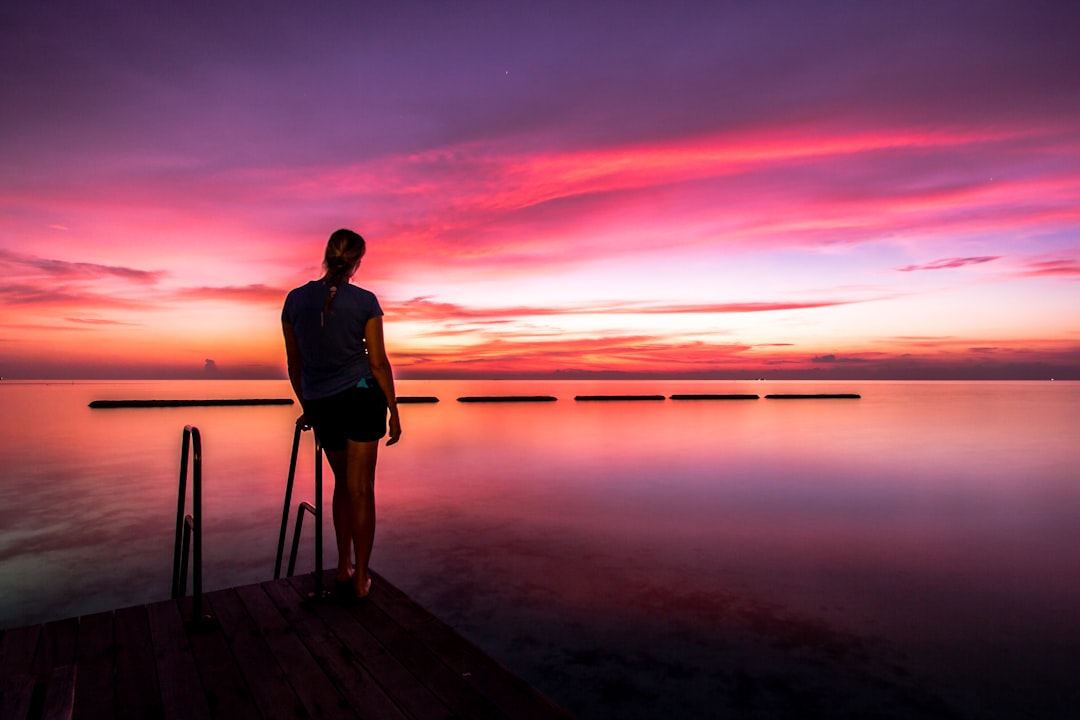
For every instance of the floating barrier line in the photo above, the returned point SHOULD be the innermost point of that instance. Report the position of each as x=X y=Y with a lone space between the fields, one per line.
x=714 y=397
x=188 y=403
x=427 y=399
x=617 y=397
x=506 y=398
x=822 y=396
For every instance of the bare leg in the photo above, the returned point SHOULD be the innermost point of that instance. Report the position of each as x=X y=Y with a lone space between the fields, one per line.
x=343 y=514
x=360 y=482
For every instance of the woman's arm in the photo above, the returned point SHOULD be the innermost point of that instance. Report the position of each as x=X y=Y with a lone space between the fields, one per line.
x=292 y=355
x=384 y=374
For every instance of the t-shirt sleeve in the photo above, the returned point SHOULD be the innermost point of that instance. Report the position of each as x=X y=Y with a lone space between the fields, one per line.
x=286 y=314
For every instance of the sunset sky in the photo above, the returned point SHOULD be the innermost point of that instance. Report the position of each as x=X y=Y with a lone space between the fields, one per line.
x=683 y=189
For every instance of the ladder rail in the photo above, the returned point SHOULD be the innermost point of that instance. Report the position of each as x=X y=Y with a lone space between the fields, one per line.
x=189 y=527
x=314 y=508
x=288 y=502
x=300 y=510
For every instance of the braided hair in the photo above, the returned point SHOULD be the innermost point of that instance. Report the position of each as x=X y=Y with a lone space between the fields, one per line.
x=343 y=252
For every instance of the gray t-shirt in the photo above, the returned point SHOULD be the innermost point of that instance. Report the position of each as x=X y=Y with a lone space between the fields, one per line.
x=333 y=353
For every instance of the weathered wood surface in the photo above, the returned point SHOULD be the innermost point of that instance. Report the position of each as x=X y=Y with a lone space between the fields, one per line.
x=270 y=651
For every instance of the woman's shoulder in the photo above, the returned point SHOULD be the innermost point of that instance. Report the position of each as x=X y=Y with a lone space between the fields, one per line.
x=306 y=287
x=359 y=292
x=364 y=299
x=298 y=292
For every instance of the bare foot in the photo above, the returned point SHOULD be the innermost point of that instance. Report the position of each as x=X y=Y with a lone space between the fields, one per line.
x=346 y=574
x=363 y=589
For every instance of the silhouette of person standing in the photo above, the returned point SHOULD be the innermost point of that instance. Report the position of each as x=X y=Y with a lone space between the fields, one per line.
x=341 y=376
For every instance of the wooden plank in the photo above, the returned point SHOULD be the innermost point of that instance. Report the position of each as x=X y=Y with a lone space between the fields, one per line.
x=56 y=646
x=272 y=693
x=17 y=648
x=94 y=664
x=337 y=660
x=272 y=654
x=414 y=698
x=463 y=700
x=227 y=695
x=137 y=694
x=182 y=694
x=59 y=693
x=512 y=695
x=16 y=692
x=320 y=697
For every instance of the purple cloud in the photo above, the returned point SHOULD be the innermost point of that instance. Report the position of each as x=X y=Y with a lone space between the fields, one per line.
x=257 y=293
x=99 y=321
x=950 y=263
x=1054 y=268
x=423 y=308
x=79 y=270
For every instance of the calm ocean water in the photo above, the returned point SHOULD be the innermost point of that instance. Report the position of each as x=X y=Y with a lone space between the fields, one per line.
x=909 y=554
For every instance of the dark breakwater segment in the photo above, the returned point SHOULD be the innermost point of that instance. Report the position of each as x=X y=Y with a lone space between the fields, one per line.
x=416 y=399
x=602 y=398
x=820 y=396
x=706 y=396
x=505 y=398
x=187 y=403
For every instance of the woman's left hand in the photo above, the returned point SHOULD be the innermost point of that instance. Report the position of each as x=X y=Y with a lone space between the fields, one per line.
x=395 y=429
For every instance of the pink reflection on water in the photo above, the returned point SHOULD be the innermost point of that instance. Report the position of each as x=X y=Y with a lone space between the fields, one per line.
x=928 y=526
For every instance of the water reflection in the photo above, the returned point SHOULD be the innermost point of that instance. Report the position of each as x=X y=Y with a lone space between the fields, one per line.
x=907 y=554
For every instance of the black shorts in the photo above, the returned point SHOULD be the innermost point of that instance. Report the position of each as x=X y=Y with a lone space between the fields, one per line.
x=358 y=413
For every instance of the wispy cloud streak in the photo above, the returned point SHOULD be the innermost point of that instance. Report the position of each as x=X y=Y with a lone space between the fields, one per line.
x=1053 y=268
x=63 y=269
x=255 y=293
x=949 y=263
x=427 y=309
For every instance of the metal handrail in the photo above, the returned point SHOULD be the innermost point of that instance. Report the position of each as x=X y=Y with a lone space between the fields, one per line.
x=288 y=500
x=300 y=510
x=189 y=527
x=315 y=509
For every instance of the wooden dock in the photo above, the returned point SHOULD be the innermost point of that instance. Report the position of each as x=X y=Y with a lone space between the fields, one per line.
x=270 y=651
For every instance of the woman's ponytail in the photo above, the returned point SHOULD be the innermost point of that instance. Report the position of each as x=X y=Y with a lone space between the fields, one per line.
x=344 y=250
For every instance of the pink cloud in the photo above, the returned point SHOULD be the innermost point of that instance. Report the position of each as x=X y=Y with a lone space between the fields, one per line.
x=46 y=295
x=426 y=309
x=950 y=263
x=255 y=293
x=610 y=353
x=64 y=269
x=644 y=355
x=1053 y=268
x=99 y=321
x=482 y=202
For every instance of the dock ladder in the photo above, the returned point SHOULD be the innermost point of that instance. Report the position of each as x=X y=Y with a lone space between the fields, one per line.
x=303 y=507
x=189 y=527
